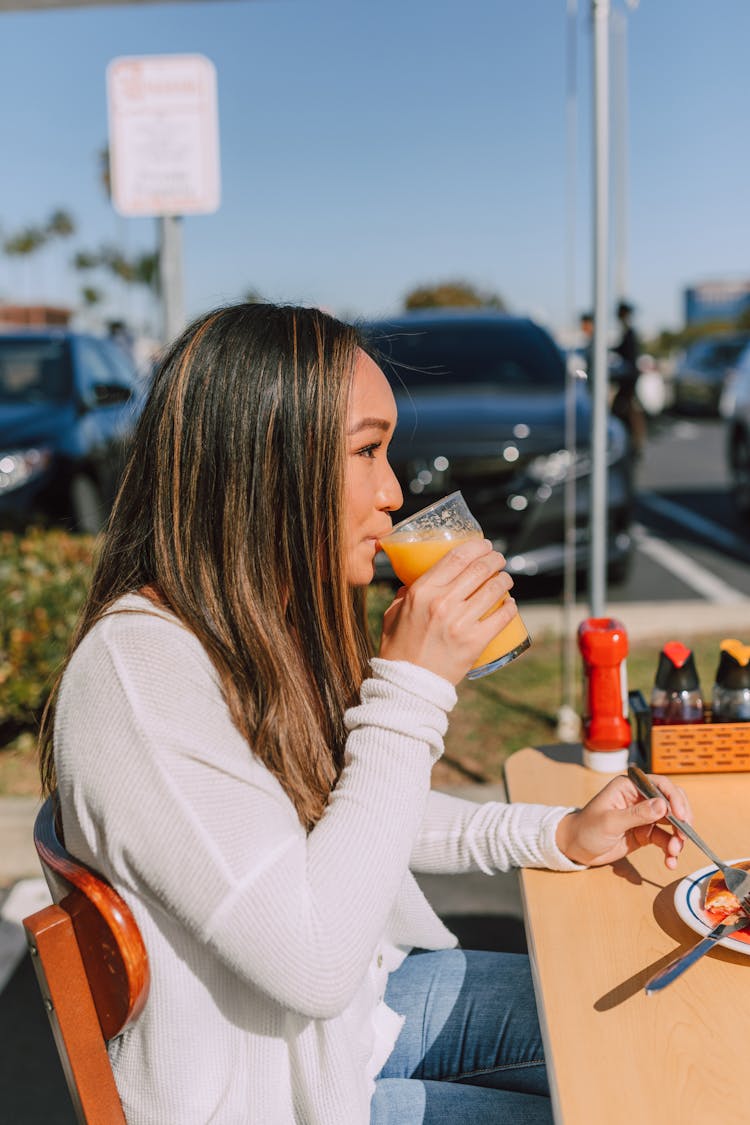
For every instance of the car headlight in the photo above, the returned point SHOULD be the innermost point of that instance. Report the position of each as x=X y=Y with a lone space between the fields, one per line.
x=17 y=466
x=554 y=468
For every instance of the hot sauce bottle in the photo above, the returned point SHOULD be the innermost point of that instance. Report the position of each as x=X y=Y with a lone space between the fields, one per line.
x=731 y=692
x=603 y=644
x=676 y=697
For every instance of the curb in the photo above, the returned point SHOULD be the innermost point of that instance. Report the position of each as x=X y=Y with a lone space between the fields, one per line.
x=646 y=620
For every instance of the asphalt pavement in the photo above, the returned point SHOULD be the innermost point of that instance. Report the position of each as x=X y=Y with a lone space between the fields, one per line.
x=484 y=911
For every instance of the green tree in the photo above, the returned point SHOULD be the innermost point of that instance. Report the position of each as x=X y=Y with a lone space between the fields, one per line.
x=22 y=245
x=146 y=271
x=452 y=294
x=668 y=341
x=91 y=296
x=60 y=224
x=25 y=242
x=105 y=173
x=59 y=227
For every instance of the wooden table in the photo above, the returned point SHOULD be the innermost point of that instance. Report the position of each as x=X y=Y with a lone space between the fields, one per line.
x=614 y=1054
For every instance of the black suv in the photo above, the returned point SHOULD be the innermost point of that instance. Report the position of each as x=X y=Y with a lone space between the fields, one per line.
x=68 y=404
x=482 y=408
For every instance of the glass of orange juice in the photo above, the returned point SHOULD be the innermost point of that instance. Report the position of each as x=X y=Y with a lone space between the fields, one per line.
x=415 y=544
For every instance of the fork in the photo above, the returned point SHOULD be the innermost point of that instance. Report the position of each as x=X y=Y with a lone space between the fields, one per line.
x=737 y=880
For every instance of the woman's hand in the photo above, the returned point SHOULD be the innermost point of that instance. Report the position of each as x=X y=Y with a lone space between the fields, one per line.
x=618 y=820
x=436 y=623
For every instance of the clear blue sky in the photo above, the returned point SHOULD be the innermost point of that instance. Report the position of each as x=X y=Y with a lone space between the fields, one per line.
x=371 y=145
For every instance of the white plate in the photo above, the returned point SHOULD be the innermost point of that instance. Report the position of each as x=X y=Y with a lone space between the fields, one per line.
x=688 y=899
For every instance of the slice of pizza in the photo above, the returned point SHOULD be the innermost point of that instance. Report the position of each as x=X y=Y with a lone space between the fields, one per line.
x=719 y=902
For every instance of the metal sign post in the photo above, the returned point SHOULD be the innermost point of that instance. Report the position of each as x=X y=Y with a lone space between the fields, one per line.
x=600 y=381
x=171 y=276
x=164 y=154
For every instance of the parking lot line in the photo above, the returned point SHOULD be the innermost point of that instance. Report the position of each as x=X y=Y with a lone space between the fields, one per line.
x=679 y=564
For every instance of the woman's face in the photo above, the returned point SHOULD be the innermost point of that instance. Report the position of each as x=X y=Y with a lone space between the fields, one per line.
x=371 y=490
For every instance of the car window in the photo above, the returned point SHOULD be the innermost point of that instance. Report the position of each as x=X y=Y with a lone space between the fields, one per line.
x=34 y=370
x=715 y=354
x=742 y=368
x=91 y=364
x=506 y=356
x=124 y=370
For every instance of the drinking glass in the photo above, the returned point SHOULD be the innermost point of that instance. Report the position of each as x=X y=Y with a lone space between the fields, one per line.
x=415 y=544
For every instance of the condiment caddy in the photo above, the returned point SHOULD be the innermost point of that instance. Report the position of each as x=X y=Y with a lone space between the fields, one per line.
x=676 y=731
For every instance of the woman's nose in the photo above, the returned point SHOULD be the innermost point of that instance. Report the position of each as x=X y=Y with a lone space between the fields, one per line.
x=390 y=493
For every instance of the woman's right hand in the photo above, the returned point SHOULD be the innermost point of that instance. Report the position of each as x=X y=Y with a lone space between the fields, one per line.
x=435 y=622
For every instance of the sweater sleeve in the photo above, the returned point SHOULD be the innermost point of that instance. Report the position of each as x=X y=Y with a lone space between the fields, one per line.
x=161 y=793
x=459 y=836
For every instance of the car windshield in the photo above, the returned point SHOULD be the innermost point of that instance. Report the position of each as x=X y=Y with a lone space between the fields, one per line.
x=716 y=354
x=508 y=356
x=33 y=371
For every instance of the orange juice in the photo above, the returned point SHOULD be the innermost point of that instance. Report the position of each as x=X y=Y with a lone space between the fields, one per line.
x=411 y=557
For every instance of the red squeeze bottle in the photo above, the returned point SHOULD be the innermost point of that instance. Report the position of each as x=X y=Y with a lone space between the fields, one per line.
x=603 y=644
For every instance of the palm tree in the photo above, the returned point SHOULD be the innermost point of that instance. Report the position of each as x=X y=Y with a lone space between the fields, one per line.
x=105 y=174
x=60 y=225
x=91 y=295
x=22 y=245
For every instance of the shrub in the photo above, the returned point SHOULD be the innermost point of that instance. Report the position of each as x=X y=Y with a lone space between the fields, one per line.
x=44 y=575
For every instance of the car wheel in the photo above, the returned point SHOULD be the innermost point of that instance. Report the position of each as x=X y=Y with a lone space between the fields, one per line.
x=739 y=466
x=87 y=505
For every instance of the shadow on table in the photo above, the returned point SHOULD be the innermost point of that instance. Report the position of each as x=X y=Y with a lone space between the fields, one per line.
x=684 y=937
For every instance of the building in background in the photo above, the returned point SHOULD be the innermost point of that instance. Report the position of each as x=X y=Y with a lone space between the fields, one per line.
x=34 y=316
x=716 y=300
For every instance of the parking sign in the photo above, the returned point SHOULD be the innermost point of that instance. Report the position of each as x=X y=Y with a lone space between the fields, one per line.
x=163 y=135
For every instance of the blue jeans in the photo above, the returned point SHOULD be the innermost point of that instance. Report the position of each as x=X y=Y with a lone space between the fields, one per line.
x=470 y=1051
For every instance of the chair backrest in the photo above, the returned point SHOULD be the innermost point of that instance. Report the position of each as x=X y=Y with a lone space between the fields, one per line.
x=92 y=969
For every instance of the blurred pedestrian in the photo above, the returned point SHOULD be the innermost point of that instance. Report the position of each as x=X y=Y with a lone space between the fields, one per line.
x=586 y=323
x=256 y=784
x=625 y=404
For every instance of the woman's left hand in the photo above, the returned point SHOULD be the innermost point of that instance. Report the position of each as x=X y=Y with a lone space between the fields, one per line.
x=618 y=820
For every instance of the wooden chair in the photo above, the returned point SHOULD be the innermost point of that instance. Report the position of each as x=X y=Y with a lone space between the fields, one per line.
x=92 y=969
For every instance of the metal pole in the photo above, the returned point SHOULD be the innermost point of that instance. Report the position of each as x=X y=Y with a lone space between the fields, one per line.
x=568 y=722
x=620 y=155
x=170 y=277
x=600 y=382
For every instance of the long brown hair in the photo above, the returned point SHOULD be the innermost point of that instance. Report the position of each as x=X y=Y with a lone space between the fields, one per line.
x=230 y=509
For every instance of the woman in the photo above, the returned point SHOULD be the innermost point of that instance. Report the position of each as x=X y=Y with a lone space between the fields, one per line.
x=259 y=792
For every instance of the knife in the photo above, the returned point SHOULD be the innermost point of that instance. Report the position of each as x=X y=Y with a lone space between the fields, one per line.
x=737 y=880
x=685 y=960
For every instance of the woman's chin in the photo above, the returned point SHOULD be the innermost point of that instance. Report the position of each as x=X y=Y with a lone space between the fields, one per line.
x=362 y=574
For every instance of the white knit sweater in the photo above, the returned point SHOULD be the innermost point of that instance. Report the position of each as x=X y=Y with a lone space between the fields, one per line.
x=269 y=947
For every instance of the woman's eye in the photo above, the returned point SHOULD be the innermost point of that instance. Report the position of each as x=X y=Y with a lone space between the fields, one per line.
x=369 y=450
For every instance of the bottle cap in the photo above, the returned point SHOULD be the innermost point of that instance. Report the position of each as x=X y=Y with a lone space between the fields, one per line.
x=733 y=671
x=607 y=761
x=676 y=669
